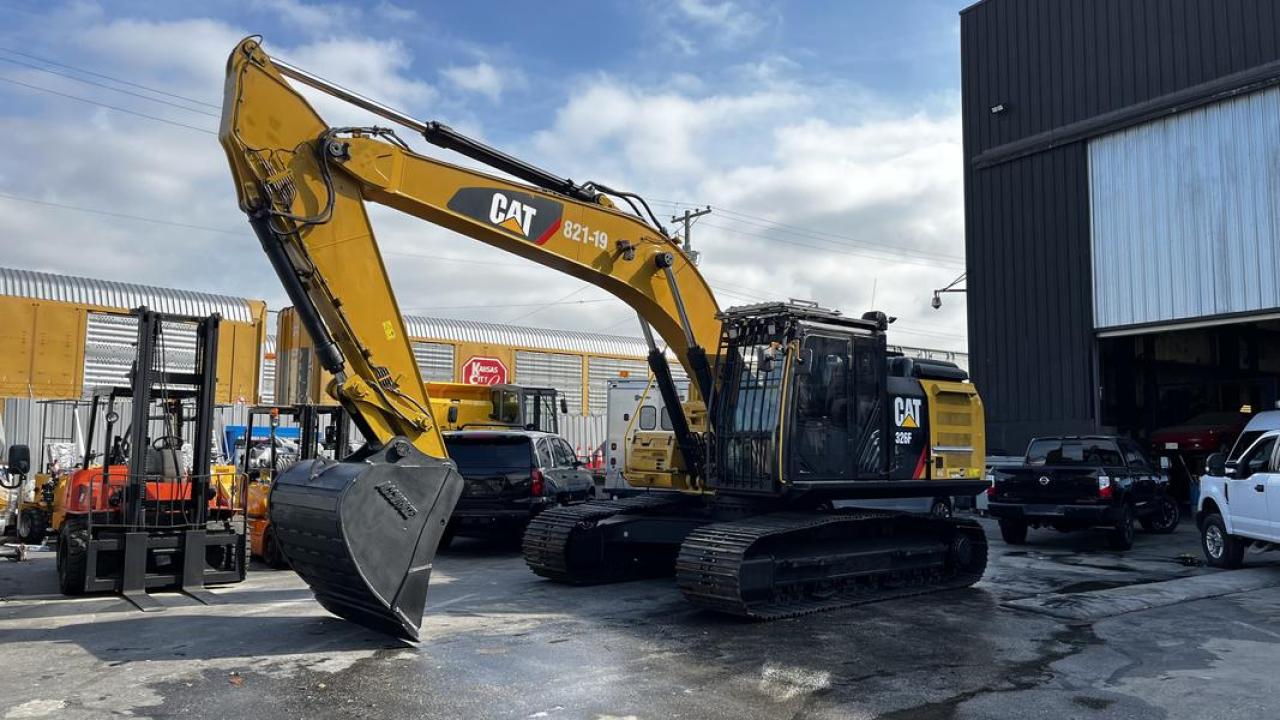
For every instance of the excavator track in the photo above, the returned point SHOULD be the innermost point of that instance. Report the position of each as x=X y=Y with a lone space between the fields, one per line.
x=789 y=564
x=565 y=544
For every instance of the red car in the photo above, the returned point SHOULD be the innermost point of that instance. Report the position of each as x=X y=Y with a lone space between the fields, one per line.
x=1201 y=435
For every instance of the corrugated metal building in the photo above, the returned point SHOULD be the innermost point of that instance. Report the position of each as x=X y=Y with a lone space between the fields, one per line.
x=1122 y=204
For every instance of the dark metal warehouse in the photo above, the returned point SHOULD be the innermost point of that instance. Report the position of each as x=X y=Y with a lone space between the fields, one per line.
x=1122 y=202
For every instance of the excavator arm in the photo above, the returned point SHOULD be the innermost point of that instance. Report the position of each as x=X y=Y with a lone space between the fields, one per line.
x=363 y=532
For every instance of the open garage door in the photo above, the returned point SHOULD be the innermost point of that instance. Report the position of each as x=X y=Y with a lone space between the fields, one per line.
x=1182 y=390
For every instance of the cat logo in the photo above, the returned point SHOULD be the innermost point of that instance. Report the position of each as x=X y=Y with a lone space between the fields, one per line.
x=511 y=214
x=523 y=215
x=906 y=412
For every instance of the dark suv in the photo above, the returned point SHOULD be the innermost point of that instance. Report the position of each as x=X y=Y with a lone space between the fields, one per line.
x=511 y=475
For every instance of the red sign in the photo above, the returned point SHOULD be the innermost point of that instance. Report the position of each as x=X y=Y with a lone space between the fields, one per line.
x=481 y=370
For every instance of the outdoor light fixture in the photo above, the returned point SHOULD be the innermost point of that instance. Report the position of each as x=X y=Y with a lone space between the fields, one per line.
x=997 y=108
x=948 y=288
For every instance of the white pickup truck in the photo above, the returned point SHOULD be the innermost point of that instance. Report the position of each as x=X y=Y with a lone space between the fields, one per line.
x=1239 y=502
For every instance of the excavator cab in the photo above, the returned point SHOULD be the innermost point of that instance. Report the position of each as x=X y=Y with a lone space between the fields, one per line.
x=808 y=378
x=811 y=403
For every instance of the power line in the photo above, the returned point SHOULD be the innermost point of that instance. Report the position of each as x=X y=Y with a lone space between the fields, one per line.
x=238 y=233
x=815 y=235
x=108 y=106
x=554 y=302
x=507 y=305
x=124 y=216
x=108 y=77
x=108 y=87
x=837 y=251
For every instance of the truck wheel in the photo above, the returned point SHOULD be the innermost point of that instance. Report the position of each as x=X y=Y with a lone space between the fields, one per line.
x=1165 y=519
x=1221 y=550
x=272 y=555
x=73 y=557
x=1014 y=532
x=1122 y=534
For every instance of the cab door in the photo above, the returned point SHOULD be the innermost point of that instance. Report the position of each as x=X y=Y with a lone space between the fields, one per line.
x=1248 y=484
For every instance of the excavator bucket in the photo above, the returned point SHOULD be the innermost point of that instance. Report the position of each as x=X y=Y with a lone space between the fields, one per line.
x=363 y=532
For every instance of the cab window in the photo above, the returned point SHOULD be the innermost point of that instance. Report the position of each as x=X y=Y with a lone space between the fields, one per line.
x=1134 y=457
x=564 y=453
x=1258 y=458
x=545 y=457
x=664 y=420
x=648 y=419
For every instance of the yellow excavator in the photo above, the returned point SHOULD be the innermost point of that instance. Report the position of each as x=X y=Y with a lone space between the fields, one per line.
x=794 y=410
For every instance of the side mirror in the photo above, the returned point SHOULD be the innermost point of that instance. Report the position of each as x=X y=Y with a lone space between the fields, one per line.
x=1216 y=464
x=1236 y=469
x=564 y=406
x=453 y=414
x=19 y=459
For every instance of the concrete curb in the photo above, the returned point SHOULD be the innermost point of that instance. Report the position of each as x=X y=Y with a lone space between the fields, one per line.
x=1100 y=604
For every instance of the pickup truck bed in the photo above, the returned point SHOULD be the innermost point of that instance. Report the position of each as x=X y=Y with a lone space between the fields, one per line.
x=1074 y=483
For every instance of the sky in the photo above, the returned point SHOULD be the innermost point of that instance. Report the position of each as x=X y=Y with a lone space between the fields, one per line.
x=825 y=136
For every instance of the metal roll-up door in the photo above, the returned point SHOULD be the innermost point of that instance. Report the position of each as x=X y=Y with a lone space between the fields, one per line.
x=600 y=370
x=109 y=349
x=1184 y=215
x=562 y=372
x=435 y=361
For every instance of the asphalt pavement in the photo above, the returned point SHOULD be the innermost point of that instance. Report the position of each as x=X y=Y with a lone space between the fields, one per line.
x=499 y=642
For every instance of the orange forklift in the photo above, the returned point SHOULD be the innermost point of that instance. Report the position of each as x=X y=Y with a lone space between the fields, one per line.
x=155 y=513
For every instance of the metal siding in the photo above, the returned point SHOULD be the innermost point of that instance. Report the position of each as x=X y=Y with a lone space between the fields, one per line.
x=435 y=361
x=562 y=372
x=430 y=328
x=109 y=349
x=1184 y=220
x=1027 y=226
x=1055 y=63
x=124 y=296
x=601 y=370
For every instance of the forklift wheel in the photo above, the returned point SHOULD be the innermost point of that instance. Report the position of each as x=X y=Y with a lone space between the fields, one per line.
x=73 y=556
x=32 y=528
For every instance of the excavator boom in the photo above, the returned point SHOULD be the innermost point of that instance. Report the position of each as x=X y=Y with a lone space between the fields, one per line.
x=363 y=532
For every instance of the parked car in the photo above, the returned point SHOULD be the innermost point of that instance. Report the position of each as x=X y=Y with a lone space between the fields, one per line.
x=1240 y=495
x=510 y=476
x=1073 y=483
x=1189 y=443
x=1207 y=432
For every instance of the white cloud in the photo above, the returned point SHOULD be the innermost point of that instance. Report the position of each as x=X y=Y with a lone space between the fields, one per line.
x=481 y=78
x=730 y=20
x=874 y=182
x=313 y=19
x=839 y=162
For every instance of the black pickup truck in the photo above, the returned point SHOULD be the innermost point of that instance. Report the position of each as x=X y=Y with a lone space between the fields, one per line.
x=1073 y=483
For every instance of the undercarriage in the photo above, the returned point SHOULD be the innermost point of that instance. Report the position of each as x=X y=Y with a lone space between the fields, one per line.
x=763 y=560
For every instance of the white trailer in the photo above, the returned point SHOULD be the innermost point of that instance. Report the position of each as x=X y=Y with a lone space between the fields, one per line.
x=634 y=404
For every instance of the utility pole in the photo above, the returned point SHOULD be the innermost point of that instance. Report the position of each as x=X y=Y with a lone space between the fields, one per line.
x=687 y=218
